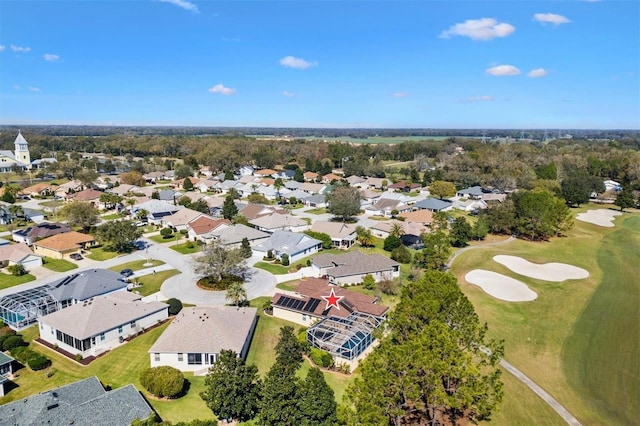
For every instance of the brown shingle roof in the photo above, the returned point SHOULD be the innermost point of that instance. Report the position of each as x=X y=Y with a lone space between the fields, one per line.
x=205 y=224
x=65 y=241
x=353 y=263
x=85 y=195
x=420 y=216
x=14 y=252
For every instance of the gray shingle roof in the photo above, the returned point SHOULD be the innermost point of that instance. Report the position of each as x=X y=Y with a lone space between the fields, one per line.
x=353 y=263
x=207 y=330
x=432 y=204
x=80 y=403
x=87 y=284
x=234 y=234
x=287 y=242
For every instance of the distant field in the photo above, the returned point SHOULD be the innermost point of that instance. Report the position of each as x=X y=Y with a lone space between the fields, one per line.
x=578 y=340
x=372 y=140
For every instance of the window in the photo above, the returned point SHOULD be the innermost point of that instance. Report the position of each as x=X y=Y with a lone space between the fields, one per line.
x=101 y=336
x=180 y=358
x=194 y=359
x=132 y=324
x=156 y=357
x=120 y=329
x=304 y=317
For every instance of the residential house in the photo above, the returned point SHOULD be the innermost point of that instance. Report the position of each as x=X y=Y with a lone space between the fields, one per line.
x=252 y=211
x=310 y=176
x=352 y=267
x=318 y=201
x=424 y=217
x=203 y=227
x=39 y=231
x=206 y=171
x=42 y=189
x=492 y=198
x=246 y=170
x=232 y=236
x=181 y=218
x=330 y=177
x=68 y=187
x=404 y=186
x=169 y=196
x=473 y=192
x=226 y=186
x=265 y=173
x=343 y=235
x=153 y=177
x=384 y=229
x=300 y=196
x=6 y=373
x=124 y=189
x=101 y=324
x=83 y=286
x=295 y=245
x=82 y=403
x=156 y=210
x=196 y=336
x=386 y=207
x=376 y=183
x=469 y=205
x=180 y=182
x=308 y=304
x=612 y=185
x=19 y=254
x=276 y=221
x=61 y=246
x=434 y=204
x=313 y=188
x=32 y=214
x=205 y=185
x=292 y=184
x=86 y=195
x=356 y=181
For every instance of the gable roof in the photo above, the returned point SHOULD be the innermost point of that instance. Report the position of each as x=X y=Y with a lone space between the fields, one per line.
x=205 y=224
x=420 y=216
x=433 y=204
x=85 y=195
x=65 y=241
x=334 y=229
x=82 y=403
x=48 y=229
x=207 y=330
x=236 y=233
x=182 y=217
x=277 y=220
x=39 y=187
x=474 y=191
x=15 y=252
x=86 y=284
x=84 y=320
x=353 y=263
x=156 y=206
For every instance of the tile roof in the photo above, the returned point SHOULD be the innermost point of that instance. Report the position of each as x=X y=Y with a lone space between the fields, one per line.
x=311 y=302
x=420 y=216
x=207 y=330
x=353 y=263
x=87 y=319
x=82 y=403
x=65 y=241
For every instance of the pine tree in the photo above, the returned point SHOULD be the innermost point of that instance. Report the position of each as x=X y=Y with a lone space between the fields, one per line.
x=229 y=208
x=246 y=248
x=316 y=401
x=187 y=185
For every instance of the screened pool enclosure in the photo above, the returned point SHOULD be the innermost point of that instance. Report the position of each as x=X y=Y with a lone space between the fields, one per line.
x=20 y=310
x=344 y=338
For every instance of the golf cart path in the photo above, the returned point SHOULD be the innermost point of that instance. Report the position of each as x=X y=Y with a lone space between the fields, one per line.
x=546 y=397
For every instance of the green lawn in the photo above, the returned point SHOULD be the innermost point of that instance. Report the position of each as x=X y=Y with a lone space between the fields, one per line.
x=59 y=265
x=317 y=211
x=117 y=368
x=99 y=253
x=160 y=239
x=137 y=265
x=152 y=283
x=112 y=216
x=274 y=268
x=186 y=248
x=7 y=281
x=575 y=339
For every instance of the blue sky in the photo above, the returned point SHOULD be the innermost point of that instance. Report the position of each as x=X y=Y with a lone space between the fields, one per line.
x=424 y=64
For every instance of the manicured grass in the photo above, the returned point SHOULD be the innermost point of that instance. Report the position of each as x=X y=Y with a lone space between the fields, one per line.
x=117 y=368
x=151 y=283
x=137 y=265
x=112 y=216
x=289 y=285
x=566 y=335
x=160 y=239
x=274 y=268
x=52 y=203
x=186 y=248
x=316 y=211
x=99 y=253
x=59 y=265
x=7 y=281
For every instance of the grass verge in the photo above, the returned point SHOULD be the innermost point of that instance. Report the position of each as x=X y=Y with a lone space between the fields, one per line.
x=151 y=283
x=137 y=265
x=7 y=281
x=101 y=254
x=58 y=265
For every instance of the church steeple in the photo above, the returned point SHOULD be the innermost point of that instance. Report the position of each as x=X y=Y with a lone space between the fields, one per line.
x=22 y=150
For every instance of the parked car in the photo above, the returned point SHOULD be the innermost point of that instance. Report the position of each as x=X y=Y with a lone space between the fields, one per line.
x=126 y=273
x=139 y=224
x=75 y=256
x=140 y=245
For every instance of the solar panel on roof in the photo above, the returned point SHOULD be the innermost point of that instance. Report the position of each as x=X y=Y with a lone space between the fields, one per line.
x=299 y=304
x=312 y=304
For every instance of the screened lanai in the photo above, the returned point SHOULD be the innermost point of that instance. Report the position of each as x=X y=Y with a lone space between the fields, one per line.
x=344 y=338
x=20 y=310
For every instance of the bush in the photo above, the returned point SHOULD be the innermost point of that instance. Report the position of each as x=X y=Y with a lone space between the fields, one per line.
x=21 y=353
x=285 y=259
x=38 y=362
x=13 y=342
x=175 y=306
x=325 y=238
x=308 y=262
x=78 y=357
x=190 y=245
x=321 y=358
x=302 y=340
x=401 y=254
x=163 y=381
x=388 y=287
x=369 y=282
x=17 y=270
x=391 y=242
x=166 y=233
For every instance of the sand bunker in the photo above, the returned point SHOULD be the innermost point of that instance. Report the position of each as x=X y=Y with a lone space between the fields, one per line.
x=500 y=286
x=555 y=272
x=600 y=217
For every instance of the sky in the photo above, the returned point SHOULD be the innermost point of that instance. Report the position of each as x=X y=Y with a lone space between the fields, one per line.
x=299 y=63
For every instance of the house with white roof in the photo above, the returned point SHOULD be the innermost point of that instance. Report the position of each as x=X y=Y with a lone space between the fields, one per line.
x=343 y=235
x=276 y=221
x=232 y=236
x=196 y=336
x=295 y=245
x=181 y=218
x=156 y=210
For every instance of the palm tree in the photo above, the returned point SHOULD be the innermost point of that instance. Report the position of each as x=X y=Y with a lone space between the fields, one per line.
x=236 y=293
x=15 y=211
x=397 y=229
x=364 y=236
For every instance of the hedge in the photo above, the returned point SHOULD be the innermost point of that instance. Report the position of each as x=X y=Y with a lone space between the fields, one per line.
x=162 y=381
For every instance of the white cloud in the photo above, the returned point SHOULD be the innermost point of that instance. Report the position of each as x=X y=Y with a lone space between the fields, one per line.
x=502 y=70
x=299 y=63
x=484 y=98
x=400 y=94
x=219 y=88
x=2 y=47
x=479 y=29
x=550 y=18
x=20 y=49
x=34 y=89
x=50 y=57
x=288 y=94
x=538 y=72
x=183 y=4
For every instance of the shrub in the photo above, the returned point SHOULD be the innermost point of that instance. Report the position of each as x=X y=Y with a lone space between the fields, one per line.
x=391 y=242
x=285 y=259
x=401 y=254
x=269 y=254
x=308 y=262
x=78 y=357
x=302 y=340
x=38 y=362
x=190 y=245
x=17 y=270
x=321 y=358
x=175 y=306
x=7 y=331
x=13 y=342
x=162 y=381
x=166 y=233
x=21 y=353
x=388 y=287
x=325 y=238
x=369 y=282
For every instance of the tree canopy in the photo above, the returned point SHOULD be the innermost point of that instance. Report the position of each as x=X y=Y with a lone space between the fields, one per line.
x=80 y=213
x=118 y=235
x=344 y=202
x=217 y=261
